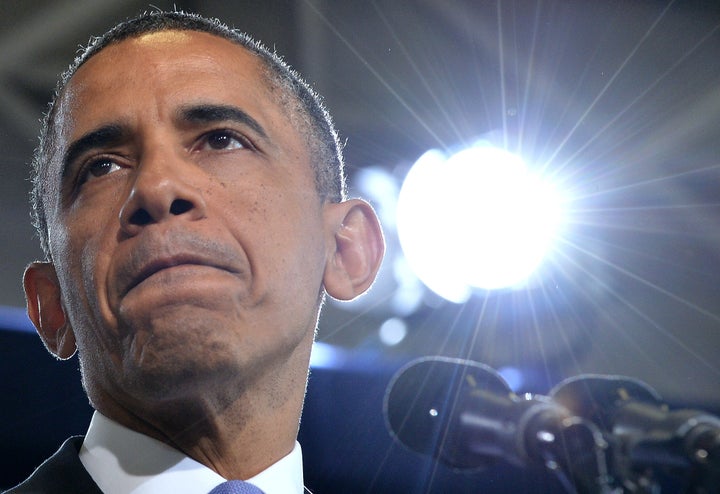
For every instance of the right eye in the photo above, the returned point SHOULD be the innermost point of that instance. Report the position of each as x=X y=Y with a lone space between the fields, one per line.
x=98 y=167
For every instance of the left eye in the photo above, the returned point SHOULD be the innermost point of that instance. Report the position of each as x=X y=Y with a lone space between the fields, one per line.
x=223 y=140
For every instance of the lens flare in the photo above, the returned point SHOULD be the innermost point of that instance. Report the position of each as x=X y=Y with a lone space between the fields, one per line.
x=478 y=219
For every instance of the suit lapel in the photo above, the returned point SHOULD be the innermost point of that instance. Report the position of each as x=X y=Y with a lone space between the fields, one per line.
x=62 y=473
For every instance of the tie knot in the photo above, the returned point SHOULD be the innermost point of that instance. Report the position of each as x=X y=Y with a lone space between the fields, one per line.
x=236 y=487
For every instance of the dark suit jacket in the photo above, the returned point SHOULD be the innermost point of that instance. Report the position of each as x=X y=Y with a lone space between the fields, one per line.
x=62 y=473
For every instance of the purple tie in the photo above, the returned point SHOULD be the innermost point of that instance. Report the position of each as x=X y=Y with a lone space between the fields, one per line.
x=236 y=487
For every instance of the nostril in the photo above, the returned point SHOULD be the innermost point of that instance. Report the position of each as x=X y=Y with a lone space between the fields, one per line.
x=140 y=217
x=180 y=206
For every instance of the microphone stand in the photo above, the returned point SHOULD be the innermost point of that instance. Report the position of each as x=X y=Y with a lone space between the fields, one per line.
x=683 y=443
x=465 y=414
x=535 y=430
x=646 y=439
x=597 y=434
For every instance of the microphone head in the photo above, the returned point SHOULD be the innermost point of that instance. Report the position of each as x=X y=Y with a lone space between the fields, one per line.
x=421 y=401
x=598 y=398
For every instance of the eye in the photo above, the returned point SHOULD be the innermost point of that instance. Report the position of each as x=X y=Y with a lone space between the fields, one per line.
x=98 y=167
x=223 y=140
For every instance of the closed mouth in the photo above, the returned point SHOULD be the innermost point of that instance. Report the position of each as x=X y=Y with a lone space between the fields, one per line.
x=162 y=264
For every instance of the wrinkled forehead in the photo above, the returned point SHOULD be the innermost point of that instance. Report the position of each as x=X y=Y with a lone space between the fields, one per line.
x=173 y=60
x=167 y=67
x=179 y=63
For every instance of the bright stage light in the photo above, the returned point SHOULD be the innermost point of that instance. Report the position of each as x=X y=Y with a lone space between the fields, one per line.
x=476 y=219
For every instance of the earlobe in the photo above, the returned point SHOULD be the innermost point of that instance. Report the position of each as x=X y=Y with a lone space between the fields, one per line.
x=45 y=309
x=357 y=248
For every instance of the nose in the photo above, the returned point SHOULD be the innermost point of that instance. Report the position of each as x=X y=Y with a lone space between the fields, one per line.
x=161 y=192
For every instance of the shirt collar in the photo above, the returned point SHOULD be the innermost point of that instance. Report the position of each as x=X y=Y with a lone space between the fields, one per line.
x=122 y=461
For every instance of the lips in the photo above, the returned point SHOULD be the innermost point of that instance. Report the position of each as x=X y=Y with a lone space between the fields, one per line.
x=161 y=264
x=152 y=253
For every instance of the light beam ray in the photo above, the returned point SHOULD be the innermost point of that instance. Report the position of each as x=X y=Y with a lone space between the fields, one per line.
x=639 y=97
x=673 y=296
x=610 y=82
x=376 y=74
x=449 y=120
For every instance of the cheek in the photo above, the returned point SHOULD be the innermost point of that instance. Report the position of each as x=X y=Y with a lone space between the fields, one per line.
x=283 y=234
x=77 y=279
x=80 y=255
x=300 y=253
x=84 y=267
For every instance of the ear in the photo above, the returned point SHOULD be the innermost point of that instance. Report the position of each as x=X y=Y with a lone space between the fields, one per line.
x=356 y=248
x=45 y=309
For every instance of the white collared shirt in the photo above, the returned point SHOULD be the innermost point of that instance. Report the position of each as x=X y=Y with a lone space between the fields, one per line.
x=122 y=461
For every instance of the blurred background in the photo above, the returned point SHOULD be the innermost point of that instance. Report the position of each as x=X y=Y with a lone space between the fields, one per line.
x=612 y=107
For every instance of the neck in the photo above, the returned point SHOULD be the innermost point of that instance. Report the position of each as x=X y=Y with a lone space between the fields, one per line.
x=237 y=432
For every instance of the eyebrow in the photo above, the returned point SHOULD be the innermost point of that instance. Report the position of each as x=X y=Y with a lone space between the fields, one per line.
x=113 y=134
x=220 y=113
x=105 y=136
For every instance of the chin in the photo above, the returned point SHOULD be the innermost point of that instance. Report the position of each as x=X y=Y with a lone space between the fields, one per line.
x=185 y=380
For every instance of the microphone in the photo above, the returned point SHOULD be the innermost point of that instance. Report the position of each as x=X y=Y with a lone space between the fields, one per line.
x=464 y=414
x=644 y=433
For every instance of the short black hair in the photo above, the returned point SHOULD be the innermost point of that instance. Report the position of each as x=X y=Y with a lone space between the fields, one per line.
x=305 y=107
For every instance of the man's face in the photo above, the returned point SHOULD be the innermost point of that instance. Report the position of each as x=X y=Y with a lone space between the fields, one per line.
x=188 y=236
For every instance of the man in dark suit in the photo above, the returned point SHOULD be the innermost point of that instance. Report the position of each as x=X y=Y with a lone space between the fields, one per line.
x=189 y=196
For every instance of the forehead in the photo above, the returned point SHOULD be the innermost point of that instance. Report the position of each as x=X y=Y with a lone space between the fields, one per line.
x=160 y=71
x=177 y=55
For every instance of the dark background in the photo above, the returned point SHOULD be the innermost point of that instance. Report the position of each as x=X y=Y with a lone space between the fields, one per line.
x=618 y=98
